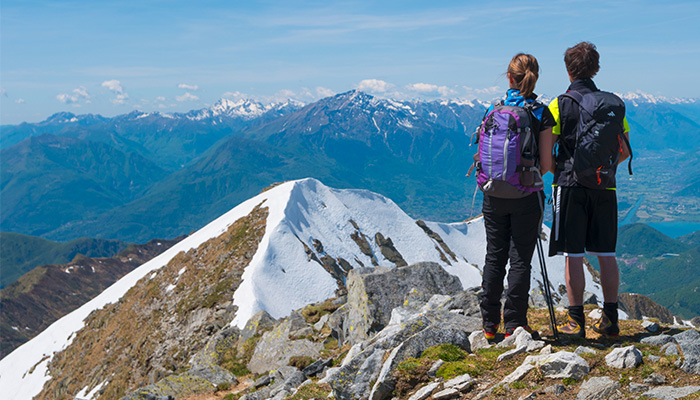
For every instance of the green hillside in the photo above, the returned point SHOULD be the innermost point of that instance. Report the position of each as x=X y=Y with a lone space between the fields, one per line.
x=21 y=253
x=643 y=240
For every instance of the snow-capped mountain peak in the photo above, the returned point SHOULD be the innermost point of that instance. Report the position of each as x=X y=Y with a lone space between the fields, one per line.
x=313 y=236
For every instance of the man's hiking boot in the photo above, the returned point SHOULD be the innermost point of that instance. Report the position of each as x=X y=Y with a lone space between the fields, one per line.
x=535 y=335
x=490 y=332
x=575 y=323
x=607 y=324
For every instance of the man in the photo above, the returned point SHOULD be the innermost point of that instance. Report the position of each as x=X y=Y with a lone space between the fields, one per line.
x=585 y=207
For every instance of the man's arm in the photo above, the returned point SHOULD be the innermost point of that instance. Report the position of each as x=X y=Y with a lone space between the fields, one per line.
x=547 y=140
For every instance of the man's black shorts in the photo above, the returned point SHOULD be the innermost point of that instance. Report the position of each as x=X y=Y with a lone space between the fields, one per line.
x=585 y=221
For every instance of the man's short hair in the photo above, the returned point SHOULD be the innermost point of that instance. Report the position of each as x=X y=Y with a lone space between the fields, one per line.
x=582 y=61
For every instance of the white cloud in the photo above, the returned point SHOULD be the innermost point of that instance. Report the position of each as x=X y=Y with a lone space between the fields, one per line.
x=3 y=92
x=322 y=92
x=160 y=98
x=116 y=87
x=79 y=93
x=113 y=85
x=427 y=88
x=19 y=101
x=186 y=97
x=484 y=91
x=235 y=95
x=188 y=87
x=374 y=86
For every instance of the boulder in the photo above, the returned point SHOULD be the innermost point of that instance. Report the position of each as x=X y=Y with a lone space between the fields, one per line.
x=670 y=392
x=689 y=342
x=278 y=346
x=598 y=388
x=670 y=349
x=445 y=394
x=638 y=387
x=374 y=292
x=461 y=383
x=432 y=372
x=424 y=392
x=555 y=389
x=519 y=373
x=658 y=340
x=655 y=379
x=259 y=322
x=625 y=357
x=348 y=386
x=477 y=341
x=560 y=365
x=650 y=326
x=585 y=350
x=317 y=367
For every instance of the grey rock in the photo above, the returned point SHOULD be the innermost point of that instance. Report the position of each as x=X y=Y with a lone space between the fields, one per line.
x=658 y=340
x=670 y=349
x=560 y=365
x=585 y=350
x=650 y=326
x=317 y=367
x=336 y=323
x=507 y=342
x=467 y=301
x=461 y=383
x=424 y=392
x=590 y=298
x=690 y=335
x=258 y=322
x=546 y=350
x=446 y=394
x=670 y=392
x=262 y=381
x=432 y=372
x=374 y=292
x=277 y=346
x=689 y=342
x=638 y=387
x=655 y=379
x=511 y=353
x=353 y=380
x=653 y=358
x=296 y=379
x=519 y=373
x=556 y=389
x=329 y=375
x=625 y=357
x=598 y=388
x=477 y=341
x=530 y=396
x=321 y=322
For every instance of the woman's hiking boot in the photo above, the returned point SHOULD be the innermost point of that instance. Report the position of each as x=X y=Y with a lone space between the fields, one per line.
x=490 y=332
x=607 y=324
x=575 y=324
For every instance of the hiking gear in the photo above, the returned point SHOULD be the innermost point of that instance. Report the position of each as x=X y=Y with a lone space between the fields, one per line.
x=584 y=222
x=598 y=142
x=607 y=324
x=575 y=323
x=507 y=161
x=545 y=277
x=490 y=332
x=535 y=335
x=511 y=227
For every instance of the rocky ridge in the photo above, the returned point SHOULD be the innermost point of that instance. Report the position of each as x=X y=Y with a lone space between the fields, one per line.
x=432 y=347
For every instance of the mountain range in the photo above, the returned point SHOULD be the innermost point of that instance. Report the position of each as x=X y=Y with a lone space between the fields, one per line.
x=143 y=175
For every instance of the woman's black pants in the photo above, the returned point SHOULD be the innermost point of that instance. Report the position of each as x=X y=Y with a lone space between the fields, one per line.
x=512 y=226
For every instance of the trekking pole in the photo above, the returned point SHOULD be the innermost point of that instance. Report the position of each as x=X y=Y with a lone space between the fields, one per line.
x=547 y=292
x=545 y=277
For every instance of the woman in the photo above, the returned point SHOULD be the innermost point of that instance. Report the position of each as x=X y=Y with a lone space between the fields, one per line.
x=513 y=224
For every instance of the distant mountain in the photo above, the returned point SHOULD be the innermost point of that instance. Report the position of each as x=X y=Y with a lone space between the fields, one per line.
x=643 y=240
x=169 y=140
x=20 y=253
x=48 y=181
x=48 y=292
x=350 y=140
x=211 y=159
x=290 y=246
x=660 y=267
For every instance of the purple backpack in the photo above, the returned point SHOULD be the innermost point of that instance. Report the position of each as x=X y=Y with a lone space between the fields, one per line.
x=507 y=162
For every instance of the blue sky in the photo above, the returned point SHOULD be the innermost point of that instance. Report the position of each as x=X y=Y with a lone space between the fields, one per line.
x=111 y=57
